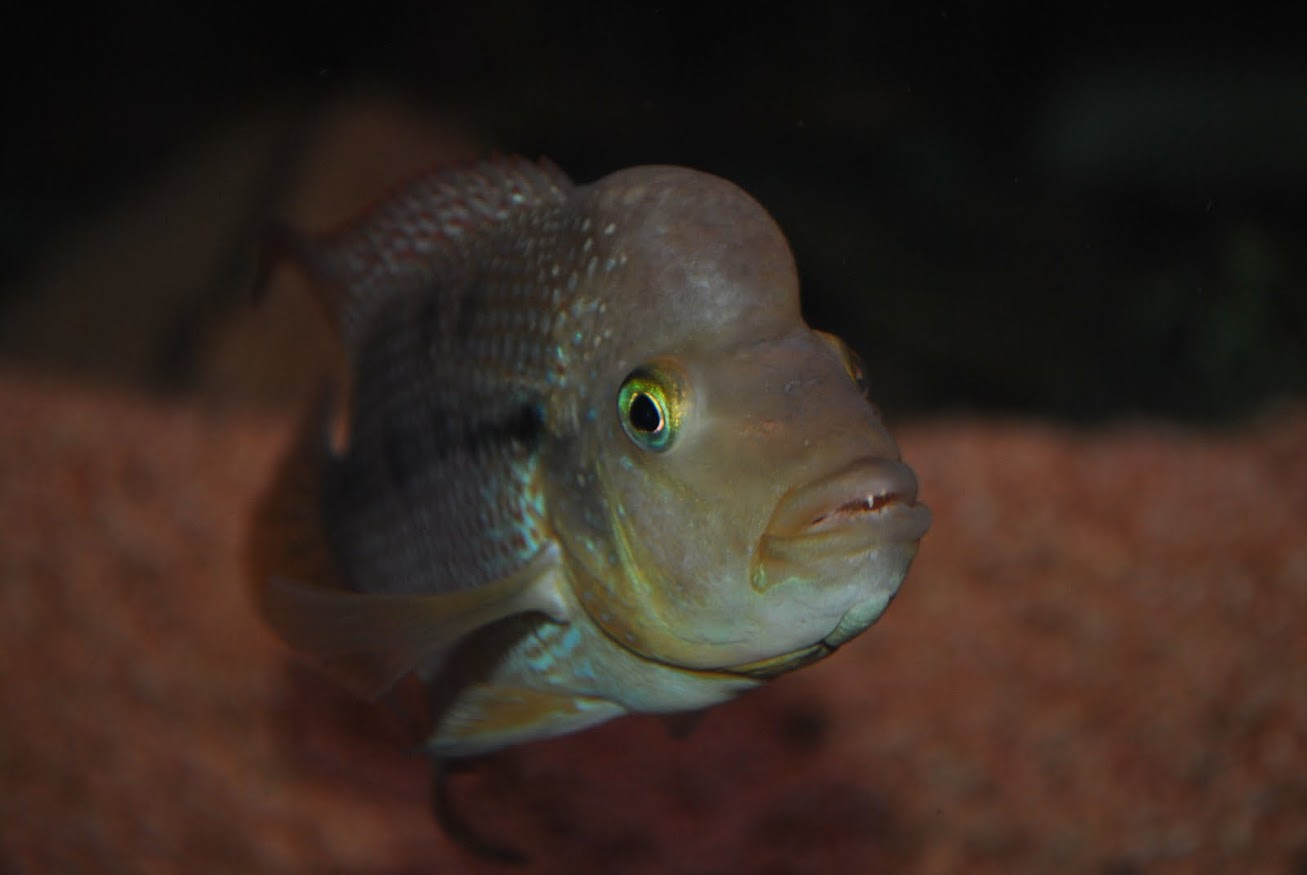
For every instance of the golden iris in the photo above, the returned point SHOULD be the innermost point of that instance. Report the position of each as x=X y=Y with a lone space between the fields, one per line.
x=650 y=405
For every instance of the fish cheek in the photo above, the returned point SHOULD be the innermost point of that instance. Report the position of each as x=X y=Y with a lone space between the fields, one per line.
x=588 y=480
x=663 y=541
x=679 y=588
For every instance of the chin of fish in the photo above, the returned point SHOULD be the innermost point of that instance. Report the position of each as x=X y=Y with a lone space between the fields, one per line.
x=594 y=461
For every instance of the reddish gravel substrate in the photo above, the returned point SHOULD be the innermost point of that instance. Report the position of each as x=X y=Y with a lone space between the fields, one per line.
x=1098 y=665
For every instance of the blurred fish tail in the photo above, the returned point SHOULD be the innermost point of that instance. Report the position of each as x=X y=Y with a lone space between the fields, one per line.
x=288 y=537
x=283 y=243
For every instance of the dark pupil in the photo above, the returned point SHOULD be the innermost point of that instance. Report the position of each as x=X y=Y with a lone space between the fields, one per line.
x=644 y=414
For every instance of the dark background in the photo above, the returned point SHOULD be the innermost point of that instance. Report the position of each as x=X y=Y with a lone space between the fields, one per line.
x=1084 y=212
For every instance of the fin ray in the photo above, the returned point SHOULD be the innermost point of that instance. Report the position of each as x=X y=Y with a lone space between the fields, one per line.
x=368 y=641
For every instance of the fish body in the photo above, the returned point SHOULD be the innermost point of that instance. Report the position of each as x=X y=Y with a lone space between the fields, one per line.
x=595 y=463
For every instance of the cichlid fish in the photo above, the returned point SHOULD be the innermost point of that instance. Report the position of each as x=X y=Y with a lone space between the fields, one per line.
x=594 y=462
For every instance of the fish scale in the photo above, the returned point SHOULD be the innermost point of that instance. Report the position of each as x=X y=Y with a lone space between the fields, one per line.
x=437 y=522
x=424 y=364
x=426 y=229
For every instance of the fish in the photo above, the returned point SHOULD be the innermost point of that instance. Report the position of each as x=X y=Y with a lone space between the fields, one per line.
x=590 y=461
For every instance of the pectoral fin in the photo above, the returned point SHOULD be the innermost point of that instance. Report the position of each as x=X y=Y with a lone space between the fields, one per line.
x=368 y=641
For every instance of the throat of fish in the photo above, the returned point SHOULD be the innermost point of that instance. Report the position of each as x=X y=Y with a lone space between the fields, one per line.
x=759 y=670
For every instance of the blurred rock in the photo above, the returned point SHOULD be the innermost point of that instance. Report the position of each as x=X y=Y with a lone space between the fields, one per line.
x=1097 y=665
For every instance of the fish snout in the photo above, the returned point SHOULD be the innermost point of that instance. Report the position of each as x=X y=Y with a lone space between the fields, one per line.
x=833 y=556
x=846 y=538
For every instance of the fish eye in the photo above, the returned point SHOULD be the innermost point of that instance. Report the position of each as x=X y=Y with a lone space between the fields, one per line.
x=650 y=406
x=851 y=360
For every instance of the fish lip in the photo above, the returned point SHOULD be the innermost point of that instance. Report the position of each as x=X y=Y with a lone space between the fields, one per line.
x=874 y=498
x=841 y=545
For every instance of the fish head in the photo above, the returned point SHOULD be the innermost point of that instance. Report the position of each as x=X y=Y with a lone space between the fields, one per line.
x=755 y=509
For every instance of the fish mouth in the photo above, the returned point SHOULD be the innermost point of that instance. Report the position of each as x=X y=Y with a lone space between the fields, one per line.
x=839 y=547
x=870 y=503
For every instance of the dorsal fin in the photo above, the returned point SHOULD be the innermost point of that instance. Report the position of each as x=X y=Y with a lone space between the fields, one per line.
x=413 y=237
